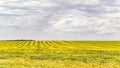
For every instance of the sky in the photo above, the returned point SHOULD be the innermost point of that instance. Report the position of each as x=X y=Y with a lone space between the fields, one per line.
x=60 y=19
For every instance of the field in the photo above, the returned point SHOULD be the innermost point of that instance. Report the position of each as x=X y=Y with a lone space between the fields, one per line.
x=59 y=54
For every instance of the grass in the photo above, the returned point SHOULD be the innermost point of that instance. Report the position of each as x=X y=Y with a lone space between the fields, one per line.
x=59 y=54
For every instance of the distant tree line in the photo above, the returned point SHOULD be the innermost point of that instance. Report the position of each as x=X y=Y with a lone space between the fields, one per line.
x=19 y=40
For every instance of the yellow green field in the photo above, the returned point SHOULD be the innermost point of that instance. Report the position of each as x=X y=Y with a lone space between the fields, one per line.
x=59 y=54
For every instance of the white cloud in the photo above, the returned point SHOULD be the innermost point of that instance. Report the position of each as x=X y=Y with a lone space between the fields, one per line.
x=85 y=2
x=81 y=16
x=72 y=22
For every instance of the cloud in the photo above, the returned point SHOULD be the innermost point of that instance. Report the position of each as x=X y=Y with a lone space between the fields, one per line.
x=81 y=16
x=101 y=18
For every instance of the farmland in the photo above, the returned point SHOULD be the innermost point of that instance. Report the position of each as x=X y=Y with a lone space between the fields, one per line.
x=59 y=54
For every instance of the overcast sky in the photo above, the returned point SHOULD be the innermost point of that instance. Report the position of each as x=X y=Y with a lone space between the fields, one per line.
x=60 y=19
